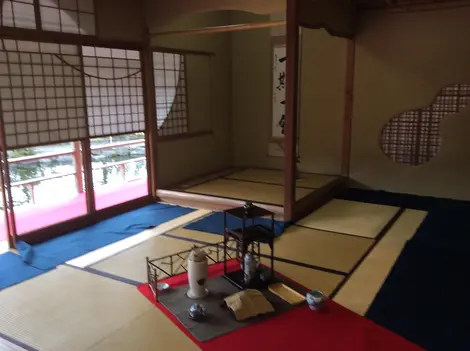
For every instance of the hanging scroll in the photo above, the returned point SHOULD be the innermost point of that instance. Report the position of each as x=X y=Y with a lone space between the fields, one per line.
x=279 y=91
x=276 y=144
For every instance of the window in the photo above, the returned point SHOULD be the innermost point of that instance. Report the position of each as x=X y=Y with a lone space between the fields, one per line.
x=170 y=93
x=119 y=169
x=56 y=101
x=413 y=137
x=66 y=16
x=46 y=185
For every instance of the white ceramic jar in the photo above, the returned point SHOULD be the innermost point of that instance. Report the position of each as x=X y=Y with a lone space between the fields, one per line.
x=197 y=274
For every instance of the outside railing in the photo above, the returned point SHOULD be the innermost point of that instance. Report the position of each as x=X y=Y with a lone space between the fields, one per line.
x=78 y=165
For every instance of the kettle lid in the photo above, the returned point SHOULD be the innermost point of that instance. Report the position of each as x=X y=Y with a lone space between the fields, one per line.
x=197 y=255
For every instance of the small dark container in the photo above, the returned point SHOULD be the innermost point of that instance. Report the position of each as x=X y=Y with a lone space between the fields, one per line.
x=315 y=300
x=196 y=312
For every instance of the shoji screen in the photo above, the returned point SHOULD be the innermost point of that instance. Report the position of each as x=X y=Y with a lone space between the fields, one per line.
x=66 y=16
x=115 y=98
x=170 y=93
x=41 y=93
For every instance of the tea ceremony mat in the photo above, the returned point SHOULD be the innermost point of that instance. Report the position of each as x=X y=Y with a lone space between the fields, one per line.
x=219 y=319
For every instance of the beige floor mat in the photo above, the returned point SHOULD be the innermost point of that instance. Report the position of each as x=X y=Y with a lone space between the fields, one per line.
x=308 y=180
x=256 y=192
x=350 y=217
x=149 y=332
x=310 y=246
x=130 y=264
x=310 y=278
x=68 y=309
x=124 y=244
x=360 y=290
x=319 y=248
x=197 y=235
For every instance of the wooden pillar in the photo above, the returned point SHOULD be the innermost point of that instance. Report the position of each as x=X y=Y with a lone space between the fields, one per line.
x=348 y=107
x=78 y=163
x=146 y=58
x=85 y=146
x=292 y=108
x=88 y=170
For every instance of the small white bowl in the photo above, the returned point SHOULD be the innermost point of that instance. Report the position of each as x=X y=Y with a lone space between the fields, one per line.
x=163 y=286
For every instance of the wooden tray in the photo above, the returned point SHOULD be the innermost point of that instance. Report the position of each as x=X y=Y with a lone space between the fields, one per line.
x=286 y=293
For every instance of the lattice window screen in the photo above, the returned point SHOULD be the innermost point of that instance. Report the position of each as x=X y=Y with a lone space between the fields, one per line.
x=18 y=13
x=41 y=93
x=413 y=137
x=68 y=16
x=170 y=93
x=113 y=81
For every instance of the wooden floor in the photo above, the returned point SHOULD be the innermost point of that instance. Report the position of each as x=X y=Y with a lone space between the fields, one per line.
x=346 y=249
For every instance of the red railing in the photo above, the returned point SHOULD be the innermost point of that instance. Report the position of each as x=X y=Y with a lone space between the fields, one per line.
x=77 y=160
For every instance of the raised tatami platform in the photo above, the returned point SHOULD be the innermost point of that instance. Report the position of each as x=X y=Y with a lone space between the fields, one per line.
x=264 y=187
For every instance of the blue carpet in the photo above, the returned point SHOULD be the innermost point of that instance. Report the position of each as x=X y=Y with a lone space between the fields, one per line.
x=425 y=297
x=13 y=270
x=54 y=252
x=214 y=224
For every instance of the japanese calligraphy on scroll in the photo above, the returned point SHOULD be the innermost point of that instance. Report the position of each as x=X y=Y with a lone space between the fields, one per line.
x=279 y=91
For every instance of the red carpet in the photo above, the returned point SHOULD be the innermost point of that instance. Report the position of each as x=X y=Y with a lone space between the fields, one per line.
x=334 y=329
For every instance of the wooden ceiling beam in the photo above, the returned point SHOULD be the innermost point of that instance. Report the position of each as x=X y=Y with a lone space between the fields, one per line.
x=221 y=29
x=410 y=6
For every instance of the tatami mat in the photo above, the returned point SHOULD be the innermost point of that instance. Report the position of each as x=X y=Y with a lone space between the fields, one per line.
x=149 y=332
x=307 y=180
x=318 y=248
x=313 y=247
x=360 y=290
x=350 y=217
x=122 y=245
x=68 y=309
x=197 y=235
x=308 y=277
x=130 y=264
x=256 y=192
